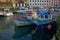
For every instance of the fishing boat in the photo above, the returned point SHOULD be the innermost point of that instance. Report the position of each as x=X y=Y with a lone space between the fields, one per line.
x=1 y=14
x=44 y=18
x=7 y=13
x=46 y=22
x=20 y=18
x=41 y=16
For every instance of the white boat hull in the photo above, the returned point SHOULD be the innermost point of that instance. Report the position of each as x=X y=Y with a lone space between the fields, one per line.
x=22 y=23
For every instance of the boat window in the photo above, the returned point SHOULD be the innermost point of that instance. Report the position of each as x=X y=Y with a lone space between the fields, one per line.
x=42 y=16
x=46 y=16
x=29 y=13
x=49 y=16
x=22 y=15
x=19 y=14
x=6 y=10
x=39 y=16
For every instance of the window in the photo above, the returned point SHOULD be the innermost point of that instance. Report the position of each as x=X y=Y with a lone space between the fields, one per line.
x=42 y=16
x=40 y=0
x=30 y=3
x=39 y=15
x=49 y=1
x=30 y=0
x=38 y=4
x=35 y=4
x=49 y=4
x=45 y=1
x=16 y=4
x=33 y=0
x=29 y=14
x=49 y=16
x=20 y=14
x=46 y=16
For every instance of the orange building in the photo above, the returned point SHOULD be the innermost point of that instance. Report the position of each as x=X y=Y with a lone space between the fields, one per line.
x=26 y=0
x=15 y=0
x=3 y=3
x=20 y=0
x=5 y=0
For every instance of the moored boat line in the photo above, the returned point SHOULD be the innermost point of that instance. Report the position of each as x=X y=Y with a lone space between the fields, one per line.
x=30 y=14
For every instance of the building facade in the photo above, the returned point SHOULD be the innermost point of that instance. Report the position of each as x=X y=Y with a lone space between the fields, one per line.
x=55 y=3
x=5 y=0
x=39 y=3
x=4 y=3
x=18 y=3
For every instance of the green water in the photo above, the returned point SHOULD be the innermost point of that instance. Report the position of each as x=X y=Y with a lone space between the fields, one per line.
x=7 y=30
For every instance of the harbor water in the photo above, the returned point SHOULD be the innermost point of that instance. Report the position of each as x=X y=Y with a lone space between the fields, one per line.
x=8 y=32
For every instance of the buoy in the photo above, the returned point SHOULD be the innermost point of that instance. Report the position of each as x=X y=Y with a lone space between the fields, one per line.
x=49 y=27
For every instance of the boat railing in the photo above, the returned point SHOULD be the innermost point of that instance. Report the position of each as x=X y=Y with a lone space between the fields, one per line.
x=45 y=16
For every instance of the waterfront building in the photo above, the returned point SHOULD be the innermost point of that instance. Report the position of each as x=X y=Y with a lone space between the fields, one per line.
x=39 y=3
x=55 y=3
x=5 y=0
x=5 y=3
x=18 y=3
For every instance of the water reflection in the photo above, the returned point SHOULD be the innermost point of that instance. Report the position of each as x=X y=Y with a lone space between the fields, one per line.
x=23 y=33
x=7 y=30
x=4 y=22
